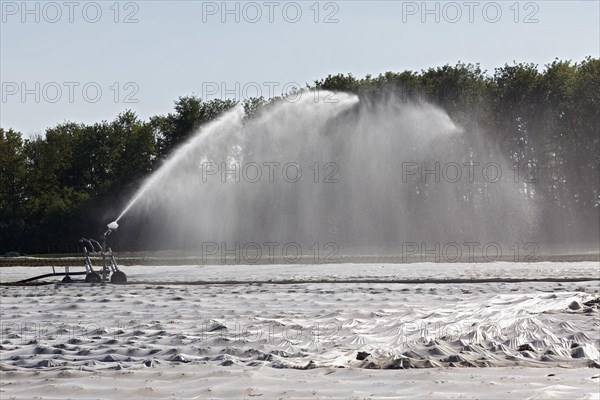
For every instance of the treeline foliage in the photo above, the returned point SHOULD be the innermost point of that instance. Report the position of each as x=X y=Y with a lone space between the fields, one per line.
x=63 y=185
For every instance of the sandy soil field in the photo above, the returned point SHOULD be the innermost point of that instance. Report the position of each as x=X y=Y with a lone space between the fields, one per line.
x=495 y=330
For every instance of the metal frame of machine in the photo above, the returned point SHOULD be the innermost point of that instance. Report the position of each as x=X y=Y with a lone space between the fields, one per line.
x=95 y=250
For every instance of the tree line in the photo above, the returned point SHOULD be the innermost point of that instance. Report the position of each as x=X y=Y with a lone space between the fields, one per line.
x=57 y=187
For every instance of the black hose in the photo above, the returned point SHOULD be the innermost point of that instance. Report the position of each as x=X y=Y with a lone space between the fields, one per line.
x=45 y=276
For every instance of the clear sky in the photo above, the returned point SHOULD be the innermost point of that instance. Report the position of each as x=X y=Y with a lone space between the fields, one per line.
x=87 y=61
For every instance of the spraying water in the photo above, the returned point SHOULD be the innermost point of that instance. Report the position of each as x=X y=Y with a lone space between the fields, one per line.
x=334 y=169
x=231 y=118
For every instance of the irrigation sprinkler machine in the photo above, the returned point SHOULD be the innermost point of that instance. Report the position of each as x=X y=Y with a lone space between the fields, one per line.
x=92 y=250
x=105 y=253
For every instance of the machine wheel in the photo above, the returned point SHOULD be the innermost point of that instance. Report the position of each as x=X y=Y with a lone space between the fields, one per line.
x=118 y=277
x=93 y=277
x=67 y=279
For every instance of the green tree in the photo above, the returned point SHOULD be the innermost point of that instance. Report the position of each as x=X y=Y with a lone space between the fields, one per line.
x=13 y=179
x=190 y=113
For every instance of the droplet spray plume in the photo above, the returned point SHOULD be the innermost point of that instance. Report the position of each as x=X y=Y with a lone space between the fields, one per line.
x=231 y=118
x=333 y=169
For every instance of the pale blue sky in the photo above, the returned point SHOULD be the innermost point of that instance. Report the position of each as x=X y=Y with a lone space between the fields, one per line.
x=181 y=48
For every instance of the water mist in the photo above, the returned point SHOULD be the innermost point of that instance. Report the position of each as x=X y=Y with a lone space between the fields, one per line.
x=328 y=168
